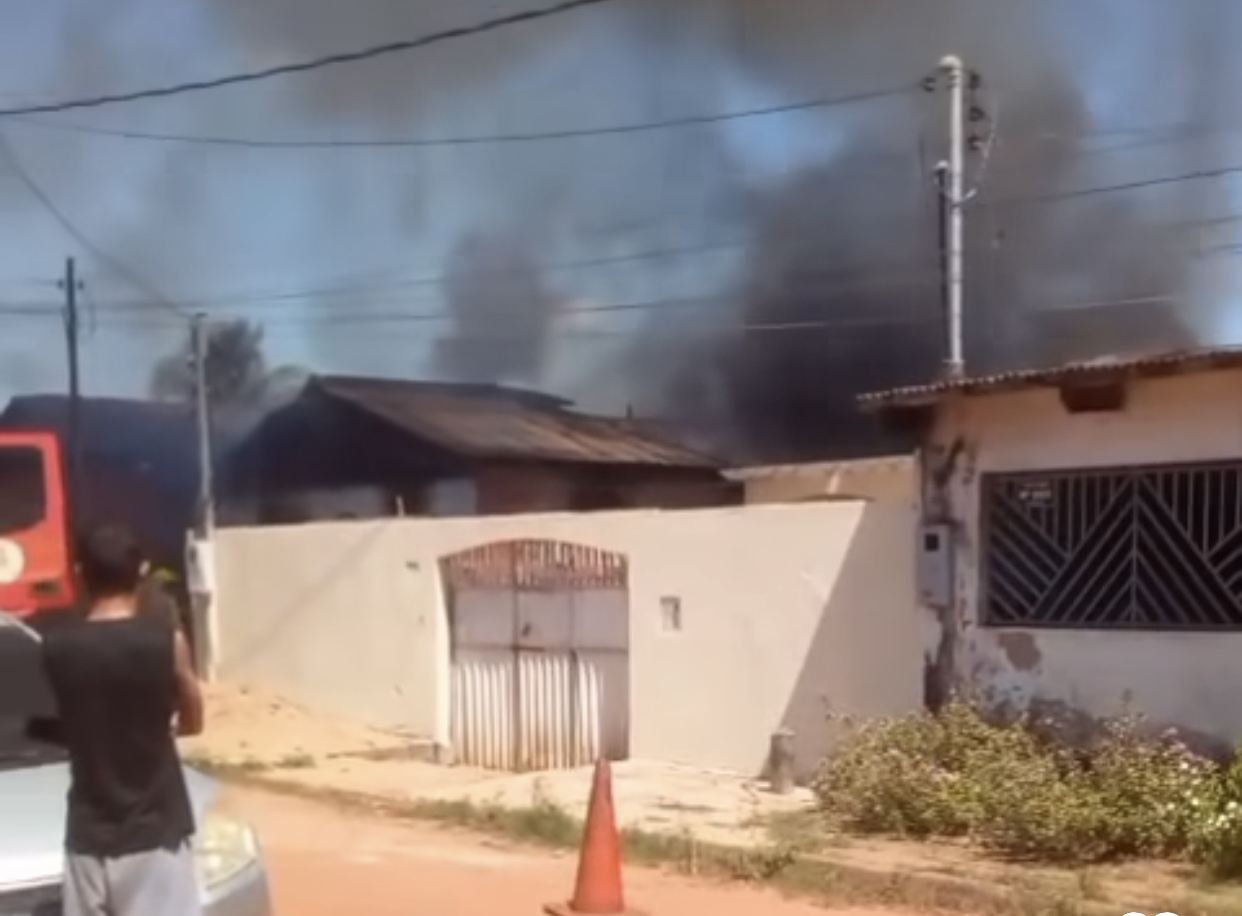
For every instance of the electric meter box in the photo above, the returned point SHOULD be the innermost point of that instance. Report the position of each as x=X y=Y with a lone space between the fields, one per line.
x=935 y=565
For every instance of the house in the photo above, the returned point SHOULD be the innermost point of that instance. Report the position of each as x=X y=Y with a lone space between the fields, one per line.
x=1081 y=537
x=367 y=447
x=888 y=477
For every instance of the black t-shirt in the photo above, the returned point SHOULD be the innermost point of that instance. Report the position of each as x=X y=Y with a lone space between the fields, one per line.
x=115 y=687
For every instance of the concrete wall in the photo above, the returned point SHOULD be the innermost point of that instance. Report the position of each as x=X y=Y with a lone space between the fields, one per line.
x=785 y=610
x=1188 y=679
x=892 y=479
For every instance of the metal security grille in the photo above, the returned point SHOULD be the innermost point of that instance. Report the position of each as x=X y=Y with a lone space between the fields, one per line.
x=1131 y=548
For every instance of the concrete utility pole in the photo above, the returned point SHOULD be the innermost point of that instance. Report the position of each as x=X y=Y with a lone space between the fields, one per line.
x=953 y=171
x=73 y=432
x=200 y=543
x=202 y=404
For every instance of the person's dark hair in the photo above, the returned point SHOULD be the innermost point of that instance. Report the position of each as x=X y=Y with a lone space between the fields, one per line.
x=110 y=561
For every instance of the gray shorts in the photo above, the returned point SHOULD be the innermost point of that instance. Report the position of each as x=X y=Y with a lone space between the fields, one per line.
x=162 y=882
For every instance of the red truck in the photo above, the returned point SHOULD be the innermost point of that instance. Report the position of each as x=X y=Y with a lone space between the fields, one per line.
x=36 y=562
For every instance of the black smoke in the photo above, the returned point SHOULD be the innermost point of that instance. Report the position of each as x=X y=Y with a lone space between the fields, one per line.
x=501 y=312
x=833 y=286
x=843 y=291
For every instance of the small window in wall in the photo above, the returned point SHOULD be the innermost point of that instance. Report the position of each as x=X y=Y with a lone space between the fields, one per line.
x=670 y=614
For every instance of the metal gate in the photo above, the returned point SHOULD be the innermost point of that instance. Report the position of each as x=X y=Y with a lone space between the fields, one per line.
x=540 y=654
x=1114 y=548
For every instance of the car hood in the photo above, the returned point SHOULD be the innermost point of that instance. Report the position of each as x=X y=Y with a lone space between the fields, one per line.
x=32 y=830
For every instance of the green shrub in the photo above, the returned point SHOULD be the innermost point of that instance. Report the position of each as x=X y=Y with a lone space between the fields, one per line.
x=1216 y=830
x=1146 y=790
x=923 y=775
x=1049 y=814
x=1125 y=796
x=957 y=774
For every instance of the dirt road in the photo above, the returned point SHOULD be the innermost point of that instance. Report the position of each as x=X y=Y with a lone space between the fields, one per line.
x=325 y=862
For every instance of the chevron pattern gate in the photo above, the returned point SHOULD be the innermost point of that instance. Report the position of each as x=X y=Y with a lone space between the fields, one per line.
x=1130 y=548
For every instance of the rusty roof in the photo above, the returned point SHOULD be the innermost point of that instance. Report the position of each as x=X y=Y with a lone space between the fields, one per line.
x=1102 y=369
x=493 y=421
x=878 y=463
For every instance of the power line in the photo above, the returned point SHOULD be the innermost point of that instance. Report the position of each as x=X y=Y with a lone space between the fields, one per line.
x=851 y=278
x=40 y=194
x=912 y=268
x=852 y=275
x=1199 y=175
x=1191 y=132
x=699 y=330
x=286 y=305
x=317 y=63
x=43 y=311
x=407 y=319
x=489 y=139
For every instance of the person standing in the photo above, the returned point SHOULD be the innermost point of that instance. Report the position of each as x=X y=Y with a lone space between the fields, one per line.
x=124 y=686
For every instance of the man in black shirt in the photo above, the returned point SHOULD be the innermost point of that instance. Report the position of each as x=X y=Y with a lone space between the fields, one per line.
x=124 y=684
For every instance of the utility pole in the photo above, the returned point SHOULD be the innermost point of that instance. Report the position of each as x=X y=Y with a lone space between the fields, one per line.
x=202 y=404
x=73 y=433
x=954 y=206
x=200 y=545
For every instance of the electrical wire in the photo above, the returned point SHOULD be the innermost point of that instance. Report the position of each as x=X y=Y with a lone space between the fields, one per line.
x=14 y=163
x=305 y=66
x=886 y=270
x=487 y=139
x=915 y=267
x=405 y=318
x=854 y=274
x=367 y=322
x=1198 y=175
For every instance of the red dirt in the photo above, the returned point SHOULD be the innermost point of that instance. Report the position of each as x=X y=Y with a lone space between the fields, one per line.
x=326 y=862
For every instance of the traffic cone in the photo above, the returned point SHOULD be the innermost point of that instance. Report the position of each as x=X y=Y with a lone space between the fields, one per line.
x=597 y=890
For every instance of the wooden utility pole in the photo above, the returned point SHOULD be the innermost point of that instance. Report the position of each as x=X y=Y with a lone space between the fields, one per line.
x=73 y=432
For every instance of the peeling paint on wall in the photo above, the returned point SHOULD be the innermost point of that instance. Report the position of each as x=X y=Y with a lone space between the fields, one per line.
x=939 y=465
x=1021 y=648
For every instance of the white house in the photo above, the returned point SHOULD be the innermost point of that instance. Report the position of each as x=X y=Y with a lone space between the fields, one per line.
x=1082 y=538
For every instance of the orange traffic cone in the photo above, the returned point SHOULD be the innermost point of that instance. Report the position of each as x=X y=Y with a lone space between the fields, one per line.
x=597 y=890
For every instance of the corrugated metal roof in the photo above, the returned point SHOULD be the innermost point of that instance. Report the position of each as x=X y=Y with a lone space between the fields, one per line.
x=491 y=421
x=821 y=468
x=1155 y=365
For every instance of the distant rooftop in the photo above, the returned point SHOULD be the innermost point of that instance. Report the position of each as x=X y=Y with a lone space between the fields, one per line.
x=493 y=421
x=1100 y=369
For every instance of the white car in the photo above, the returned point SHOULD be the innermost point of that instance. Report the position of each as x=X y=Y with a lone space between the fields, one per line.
x=34 y=785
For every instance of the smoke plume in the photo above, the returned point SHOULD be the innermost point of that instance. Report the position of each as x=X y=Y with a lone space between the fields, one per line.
x=777 y=265
x=501 y=311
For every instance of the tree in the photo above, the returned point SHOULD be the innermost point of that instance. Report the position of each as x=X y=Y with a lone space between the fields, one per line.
x=236 y=369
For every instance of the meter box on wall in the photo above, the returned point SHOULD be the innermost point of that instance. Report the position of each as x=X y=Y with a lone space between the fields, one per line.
x=935 y=565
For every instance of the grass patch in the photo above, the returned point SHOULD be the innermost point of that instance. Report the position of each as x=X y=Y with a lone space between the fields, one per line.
x=800 y=861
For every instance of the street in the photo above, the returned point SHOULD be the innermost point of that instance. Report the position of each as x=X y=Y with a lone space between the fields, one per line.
x=324 y=862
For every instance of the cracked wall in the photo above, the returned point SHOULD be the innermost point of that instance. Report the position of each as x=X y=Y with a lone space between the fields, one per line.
x=1185 y=679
